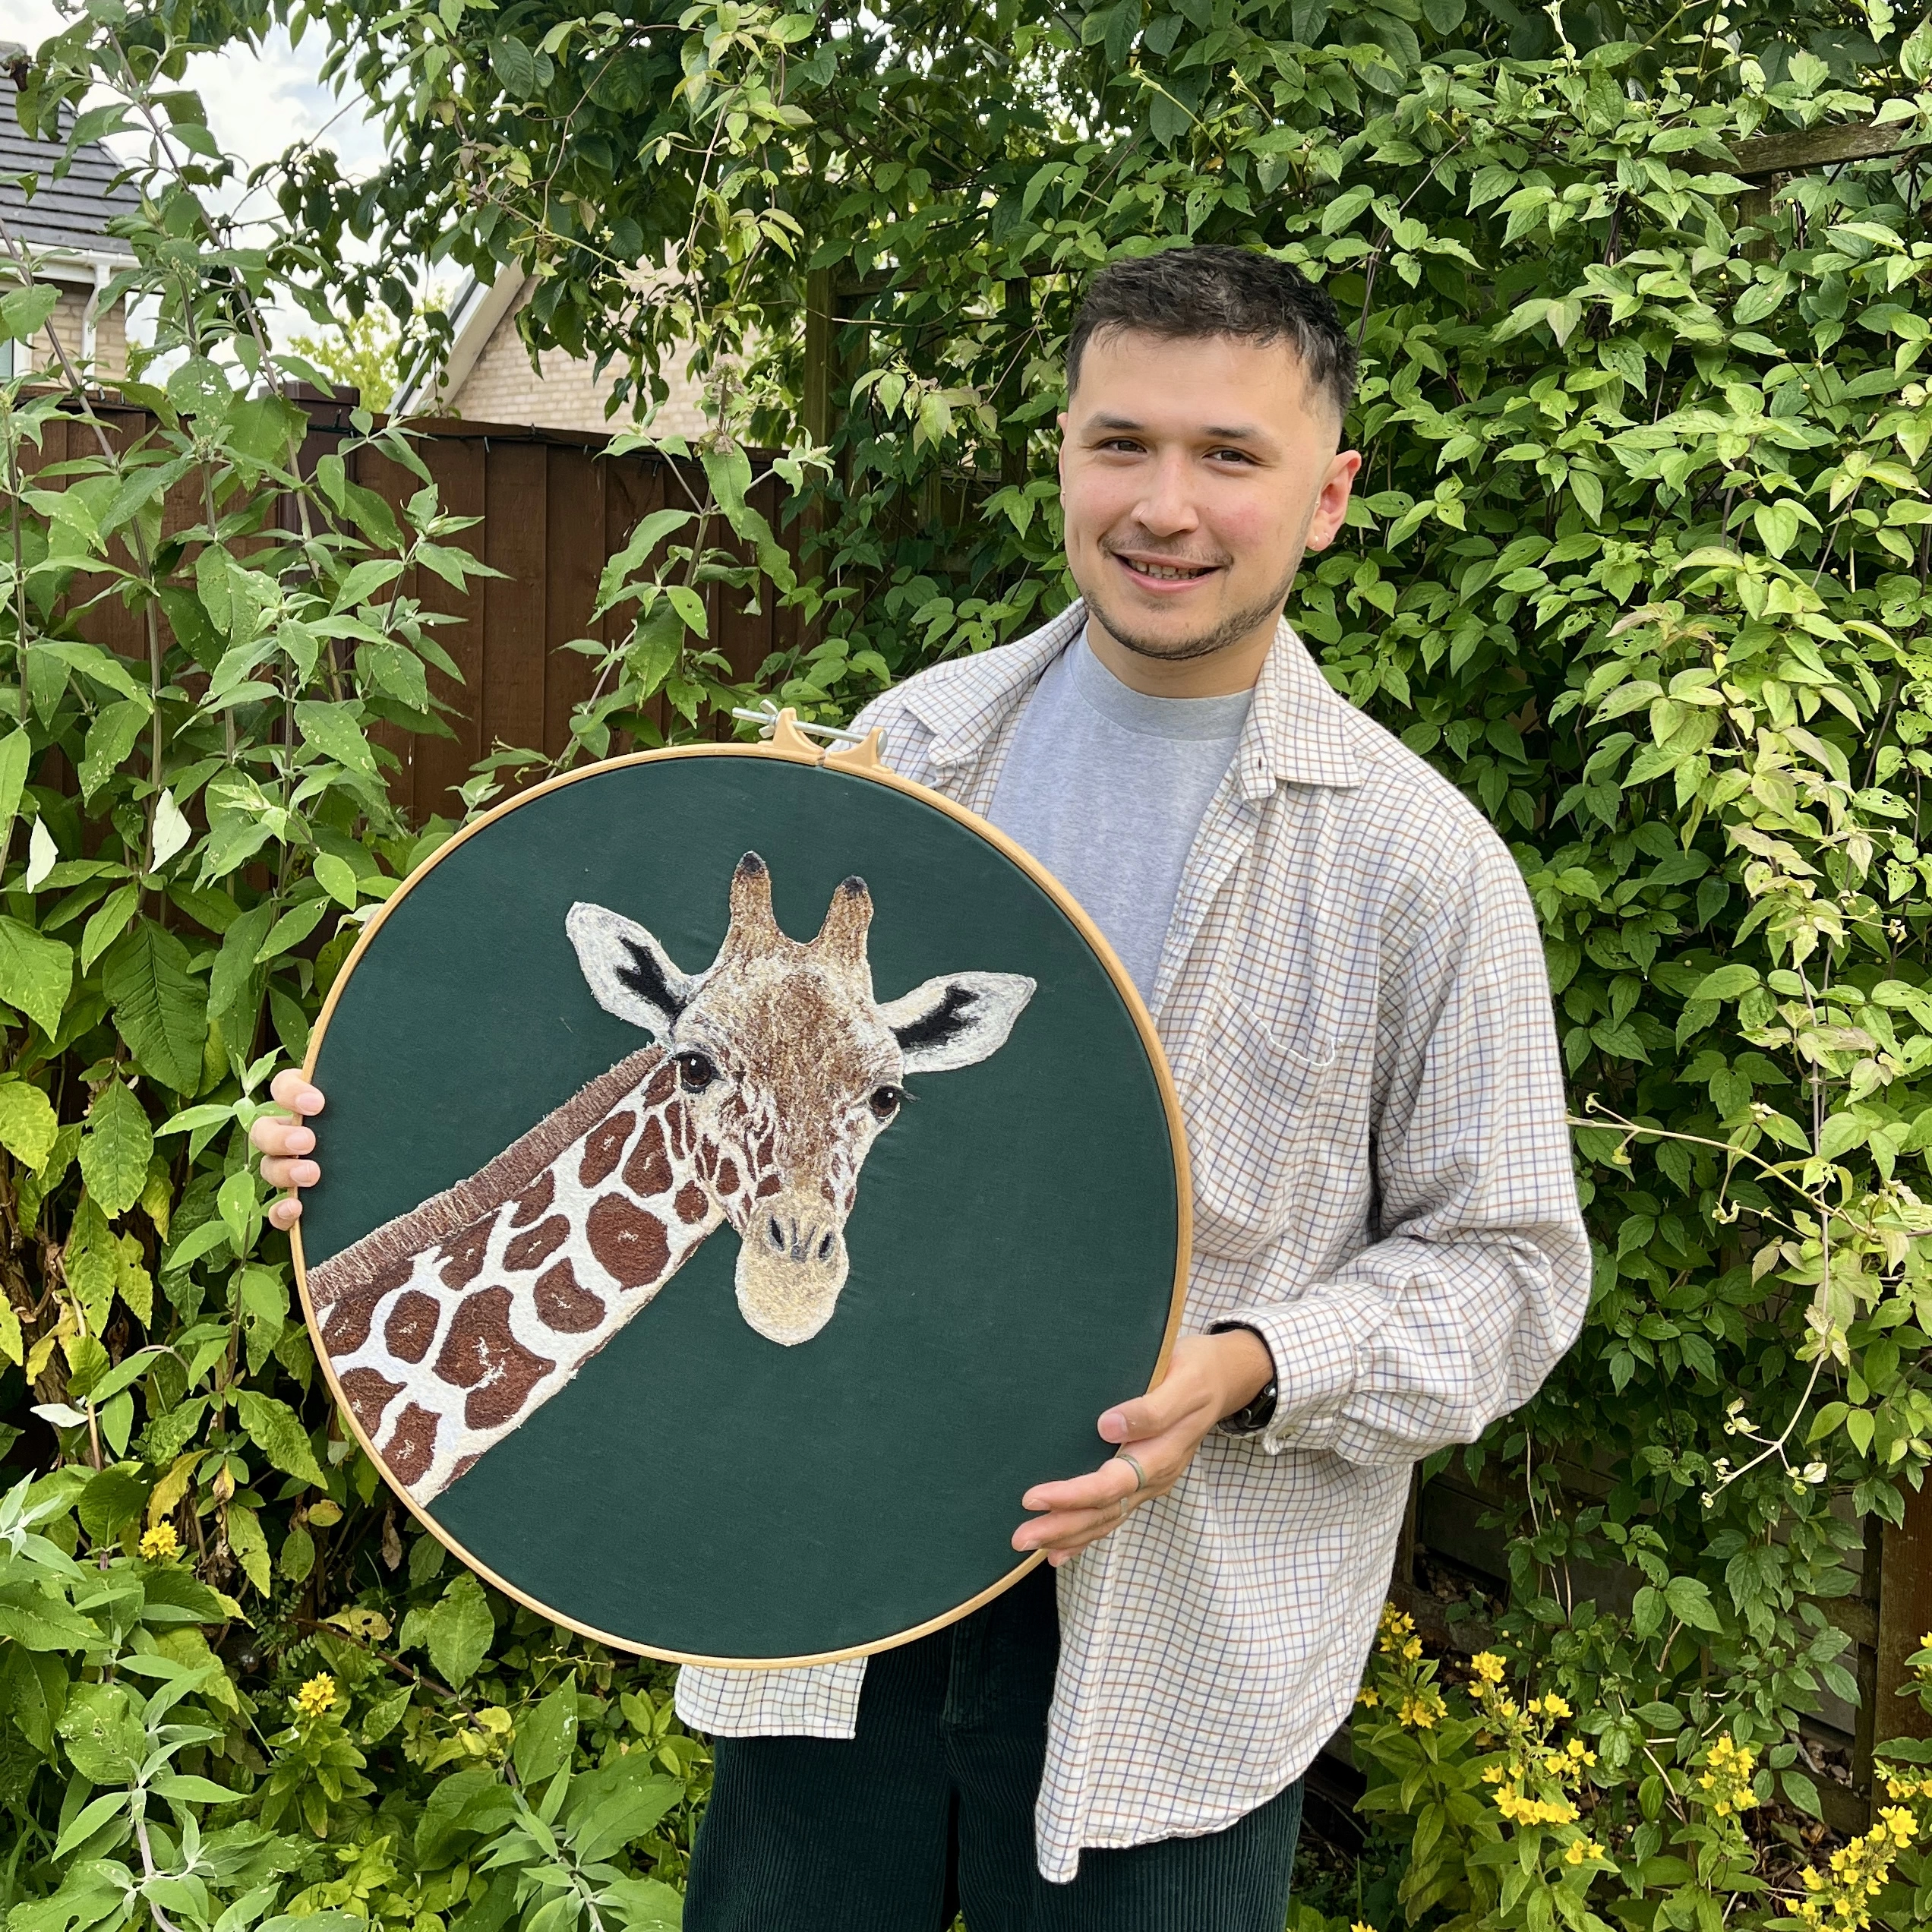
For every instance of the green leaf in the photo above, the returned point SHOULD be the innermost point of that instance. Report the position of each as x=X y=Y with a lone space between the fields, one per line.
x=28 y=1126
x=101 y=1729
x=158 y=1005
x=113 y=734
x=15 y=750
x=336 y=730
x=1726 y=983
x=34 y=974
x=337 y=878
x=24 y=314
x=546 y=1736
x=116 y=1149
x=1689 y=1603
x=456 y=1631
x=114 y=1498
x=276 y=1429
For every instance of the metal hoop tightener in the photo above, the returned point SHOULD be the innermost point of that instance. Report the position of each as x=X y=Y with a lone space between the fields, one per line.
x=767 y=715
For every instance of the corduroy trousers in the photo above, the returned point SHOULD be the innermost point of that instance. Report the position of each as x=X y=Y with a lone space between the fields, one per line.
x=928 y=1812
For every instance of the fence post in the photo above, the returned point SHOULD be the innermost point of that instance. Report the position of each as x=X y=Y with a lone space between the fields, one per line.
x=1904 y=1614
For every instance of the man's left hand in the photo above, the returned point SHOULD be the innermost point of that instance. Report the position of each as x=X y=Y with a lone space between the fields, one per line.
x=1208 y=1376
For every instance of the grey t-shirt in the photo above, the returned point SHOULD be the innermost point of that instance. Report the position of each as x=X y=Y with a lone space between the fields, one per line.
x=1106 y=787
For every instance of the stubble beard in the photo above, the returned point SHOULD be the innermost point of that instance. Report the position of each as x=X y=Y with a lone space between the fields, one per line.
x=1231 y=630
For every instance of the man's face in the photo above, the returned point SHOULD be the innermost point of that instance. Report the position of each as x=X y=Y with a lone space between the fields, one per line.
x=1194 y=475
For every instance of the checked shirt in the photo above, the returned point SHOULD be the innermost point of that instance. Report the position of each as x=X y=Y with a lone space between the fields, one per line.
x=1353 y=1000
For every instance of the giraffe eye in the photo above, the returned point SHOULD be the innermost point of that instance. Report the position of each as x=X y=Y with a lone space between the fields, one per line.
x=885 y=1101
x=695 y=1071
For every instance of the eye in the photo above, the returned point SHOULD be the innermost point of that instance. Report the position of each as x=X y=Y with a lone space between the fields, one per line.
x=885 y=1101
x=695 y=1071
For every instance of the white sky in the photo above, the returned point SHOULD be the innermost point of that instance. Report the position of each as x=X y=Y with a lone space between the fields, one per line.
x=258 y=104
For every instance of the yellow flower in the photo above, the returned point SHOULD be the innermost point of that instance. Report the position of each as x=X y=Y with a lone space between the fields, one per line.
x=1360 y=1927
x=317 y=1696
x=160 y=1543
x=1899 y=1822
x=1554 y=1707
x=1576 y=1855
x=1412 y=1649
x=1367 y=1697
x=1488 y=1666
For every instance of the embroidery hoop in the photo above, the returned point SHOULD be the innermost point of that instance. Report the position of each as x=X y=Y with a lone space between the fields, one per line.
x=785 y=741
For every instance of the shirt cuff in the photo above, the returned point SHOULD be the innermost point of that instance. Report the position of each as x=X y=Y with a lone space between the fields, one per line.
x=1317 y=1367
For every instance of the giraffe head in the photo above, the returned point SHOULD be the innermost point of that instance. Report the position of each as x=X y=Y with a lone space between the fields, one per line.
x=788 y=1070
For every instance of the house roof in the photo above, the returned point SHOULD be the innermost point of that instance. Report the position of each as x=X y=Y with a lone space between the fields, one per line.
x=68 y=217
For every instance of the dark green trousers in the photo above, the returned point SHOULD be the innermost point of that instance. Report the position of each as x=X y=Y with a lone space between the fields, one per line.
x=928 y=1812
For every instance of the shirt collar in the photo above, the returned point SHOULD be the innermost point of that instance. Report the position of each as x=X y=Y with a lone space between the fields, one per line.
x=1301 y=730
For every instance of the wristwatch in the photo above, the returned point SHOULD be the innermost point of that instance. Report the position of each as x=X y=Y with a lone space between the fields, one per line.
x=1257 y=1414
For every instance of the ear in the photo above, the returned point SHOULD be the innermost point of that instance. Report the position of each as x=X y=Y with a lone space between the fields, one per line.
x=956 y=1021
x=631 y=975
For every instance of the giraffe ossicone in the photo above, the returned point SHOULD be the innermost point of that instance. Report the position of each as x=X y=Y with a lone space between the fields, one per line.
x=771 y=1073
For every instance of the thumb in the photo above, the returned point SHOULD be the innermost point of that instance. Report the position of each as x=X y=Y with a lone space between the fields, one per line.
x=1133 y=1422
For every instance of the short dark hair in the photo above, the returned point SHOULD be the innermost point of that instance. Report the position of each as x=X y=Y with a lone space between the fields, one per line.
x=1187 y=292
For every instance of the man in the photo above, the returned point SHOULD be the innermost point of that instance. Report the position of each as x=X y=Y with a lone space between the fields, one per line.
x=1346 y=975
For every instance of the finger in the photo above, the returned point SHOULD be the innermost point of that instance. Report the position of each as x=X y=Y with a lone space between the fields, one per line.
x=290 y=1088
x=277 y=1135
x=284 y=1214
x=291 y=1173
x=1150 y=1415
x=1070 y=1530
x=1112 y=1482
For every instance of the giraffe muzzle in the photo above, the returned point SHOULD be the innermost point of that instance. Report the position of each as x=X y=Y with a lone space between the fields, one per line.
x=792 y=1265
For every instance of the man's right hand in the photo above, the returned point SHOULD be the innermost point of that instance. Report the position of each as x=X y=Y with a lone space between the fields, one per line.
x=285 y=1143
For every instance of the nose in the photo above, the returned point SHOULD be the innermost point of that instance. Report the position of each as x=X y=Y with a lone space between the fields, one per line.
x=799 y=1237
x=1167 y=508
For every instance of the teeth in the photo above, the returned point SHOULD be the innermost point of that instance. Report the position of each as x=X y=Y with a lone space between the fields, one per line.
x=1166 y=570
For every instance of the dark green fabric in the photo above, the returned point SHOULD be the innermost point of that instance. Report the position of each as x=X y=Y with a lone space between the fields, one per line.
x=697 y=1488
x=929 y=1811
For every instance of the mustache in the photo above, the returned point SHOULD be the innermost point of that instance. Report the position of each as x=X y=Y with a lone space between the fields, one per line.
x=1159 y=553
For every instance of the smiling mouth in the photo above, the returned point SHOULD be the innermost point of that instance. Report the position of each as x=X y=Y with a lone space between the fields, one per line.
x=1165 y=572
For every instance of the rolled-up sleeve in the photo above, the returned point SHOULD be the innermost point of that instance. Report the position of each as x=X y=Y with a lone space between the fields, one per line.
x=1480 y=1279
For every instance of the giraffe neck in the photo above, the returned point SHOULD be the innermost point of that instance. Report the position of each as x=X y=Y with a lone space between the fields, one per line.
x=444 y=1352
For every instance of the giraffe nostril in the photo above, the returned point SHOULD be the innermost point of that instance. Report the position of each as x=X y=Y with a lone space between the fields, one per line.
x=825 y=1247
x=775 y=1233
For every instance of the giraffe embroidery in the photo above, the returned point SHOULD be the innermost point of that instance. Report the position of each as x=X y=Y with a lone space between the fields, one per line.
x=772 y=1072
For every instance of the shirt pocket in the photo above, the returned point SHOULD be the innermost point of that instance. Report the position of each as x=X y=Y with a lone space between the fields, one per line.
x=1255 y=1103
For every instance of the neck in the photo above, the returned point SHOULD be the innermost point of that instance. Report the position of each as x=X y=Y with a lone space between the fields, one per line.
x=1236 y=667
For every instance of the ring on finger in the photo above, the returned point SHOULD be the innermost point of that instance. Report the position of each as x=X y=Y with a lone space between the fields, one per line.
x=1133 y=1463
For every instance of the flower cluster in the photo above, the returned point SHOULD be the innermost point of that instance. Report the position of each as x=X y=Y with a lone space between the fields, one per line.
x=160 y=1543
x=1725 y=1779
x=1842 y=1902
x=1406 y=1686
x=317 y=1696
x=1534 y=1775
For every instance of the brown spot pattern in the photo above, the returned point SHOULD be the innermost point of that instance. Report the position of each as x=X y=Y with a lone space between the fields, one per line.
x=630 y=1243
x=648 y=1171
x=464 y=1254
x=526 y=1250
x=661 y=1083
x=727 y=1175
x=345 y=1327
x=411 y=1325
x=604 y=1148
x=534 y=1200
x=768 y=1184
x=411 y=1445
x=677 y=1119
x=564 y=1304
x=368 y=1394
x=692 y=1202
x=483 y=1355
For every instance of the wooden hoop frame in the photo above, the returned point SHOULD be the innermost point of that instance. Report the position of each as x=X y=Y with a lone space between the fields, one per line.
x=789 y=745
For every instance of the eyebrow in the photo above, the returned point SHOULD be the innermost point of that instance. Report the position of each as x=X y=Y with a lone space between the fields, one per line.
x=1236 y=433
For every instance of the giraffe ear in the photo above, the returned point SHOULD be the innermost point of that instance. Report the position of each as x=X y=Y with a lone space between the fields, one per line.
x=631 y=975
x=956 y=1021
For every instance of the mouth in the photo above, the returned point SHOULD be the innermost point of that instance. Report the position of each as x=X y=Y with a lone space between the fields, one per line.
x=1164 y=577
